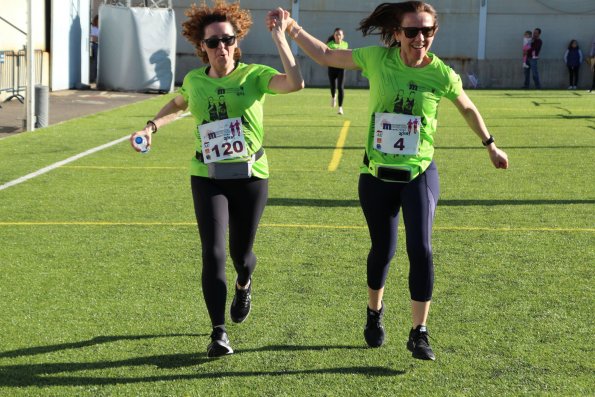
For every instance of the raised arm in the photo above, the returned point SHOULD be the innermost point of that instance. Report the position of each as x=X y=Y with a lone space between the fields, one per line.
x=166 y=115
x=292 y=79
x=314 y=48
x=470 y=113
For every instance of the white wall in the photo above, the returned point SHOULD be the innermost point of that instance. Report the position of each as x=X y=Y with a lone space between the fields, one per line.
x=456 y=42
x=70 y=44
x=16 y=13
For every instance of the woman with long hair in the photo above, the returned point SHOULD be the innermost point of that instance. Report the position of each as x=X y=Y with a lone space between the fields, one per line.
x=336 y=76
x=397 y=173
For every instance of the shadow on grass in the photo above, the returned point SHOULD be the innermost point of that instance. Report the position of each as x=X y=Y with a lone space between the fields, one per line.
x=32 y=351
x=62 y=374
x=297 y=202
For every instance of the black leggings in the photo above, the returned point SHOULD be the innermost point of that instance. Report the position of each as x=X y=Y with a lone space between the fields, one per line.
x=381 y=202
x=217 y=203
x=573 y=75
x=335 y=77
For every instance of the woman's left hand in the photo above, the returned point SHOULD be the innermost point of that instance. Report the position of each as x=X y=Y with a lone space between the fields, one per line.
x=499 y=158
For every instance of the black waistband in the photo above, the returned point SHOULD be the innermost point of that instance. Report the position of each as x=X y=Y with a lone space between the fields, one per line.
x=257 y=155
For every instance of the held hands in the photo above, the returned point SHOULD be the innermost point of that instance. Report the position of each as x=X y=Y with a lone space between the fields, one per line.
x=278 y=20
x=498 y=157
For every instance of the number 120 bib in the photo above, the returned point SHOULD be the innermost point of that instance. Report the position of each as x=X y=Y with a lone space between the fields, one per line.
x=396 y=133
x=222 y=139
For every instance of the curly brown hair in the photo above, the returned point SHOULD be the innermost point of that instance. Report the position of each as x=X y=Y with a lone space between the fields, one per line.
x=199 y=17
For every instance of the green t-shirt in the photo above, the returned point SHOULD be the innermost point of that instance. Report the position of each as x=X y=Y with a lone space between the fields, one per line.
x=239 y=94
x=341 y=46
x=397 y=88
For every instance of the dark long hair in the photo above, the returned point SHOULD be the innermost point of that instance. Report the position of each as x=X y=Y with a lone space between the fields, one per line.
x=387 y=18
x=332 y=36
x=570 y=44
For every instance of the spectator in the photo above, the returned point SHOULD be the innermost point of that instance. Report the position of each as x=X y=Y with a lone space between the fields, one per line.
x=526 y=48
x=536 y=44
x=592 y=64
x=573 y=58
x=94 y=49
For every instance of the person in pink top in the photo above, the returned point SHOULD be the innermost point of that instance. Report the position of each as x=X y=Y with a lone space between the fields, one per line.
x=526 y=48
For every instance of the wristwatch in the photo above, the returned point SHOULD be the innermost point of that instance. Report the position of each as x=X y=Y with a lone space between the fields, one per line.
x=490 y=140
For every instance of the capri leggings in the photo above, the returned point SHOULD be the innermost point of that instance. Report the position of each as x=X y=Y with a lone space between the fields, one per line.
x=335 y=77
x=381 y=202
x=238 y=203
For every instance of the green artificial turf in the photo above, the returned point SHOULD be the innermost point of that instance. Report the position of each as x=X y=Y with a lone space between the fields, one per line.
x=100 y=260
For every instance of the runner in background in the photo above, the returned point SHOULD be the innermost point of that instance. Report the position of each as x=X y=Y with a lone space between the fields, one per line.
x=336 y=76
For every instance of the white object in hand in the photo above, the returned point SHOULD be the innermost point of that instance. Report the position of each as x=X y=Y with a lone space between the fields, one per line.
x=141 y=143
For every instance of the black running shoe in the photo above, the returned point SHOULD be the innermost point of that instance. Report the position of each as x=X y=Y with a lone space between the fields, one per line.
x=419 y=345
x=374 y=331
x=219 y=345
x=240 y=306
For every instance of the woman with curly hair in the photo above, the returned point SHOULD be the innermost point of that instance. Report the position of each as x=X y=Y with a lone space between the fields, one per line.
x=229 y=171
x=397 y=173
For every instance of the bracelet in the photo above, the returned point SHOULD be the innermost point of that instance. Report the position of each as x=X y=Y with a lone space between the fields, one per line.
x=489 y=141
x=153 y=126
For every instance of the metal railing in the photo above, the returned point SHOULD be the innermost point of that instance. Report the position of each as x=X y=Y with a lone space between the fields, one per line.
x=13 y=72
x=140 y=3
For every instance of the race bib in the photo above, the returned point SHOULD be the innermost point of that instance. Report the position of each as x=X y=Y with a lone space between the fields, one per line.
x=396 y=133
x=222 y=140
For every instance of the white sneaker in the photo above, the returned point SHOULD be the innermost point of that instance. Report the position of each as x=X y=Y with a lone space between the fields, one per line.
x=340 y=110
x=570 y=87
x=333 y=102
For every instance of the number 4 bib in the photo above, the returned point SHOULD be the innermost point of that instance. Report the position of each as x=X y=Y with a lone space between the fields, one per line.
x=396 y=133
x=222 y=140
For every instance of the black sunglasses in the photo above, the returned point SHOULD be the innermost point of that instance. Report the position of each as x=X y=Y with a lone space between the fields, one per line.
x=413 y=32
x=213 y=42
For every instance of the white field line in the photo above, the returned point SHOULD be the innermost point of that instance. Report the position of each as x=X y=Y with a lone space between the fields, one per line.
x=68 y=160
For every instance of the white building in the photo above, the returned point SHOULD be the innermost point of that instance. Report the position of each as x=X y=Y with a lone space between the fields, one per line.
x=479 y=37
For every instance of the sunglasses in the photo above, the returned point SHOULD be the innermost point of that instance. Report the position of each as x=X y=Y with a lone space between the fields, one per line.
x=213 y=42
x=413 y=32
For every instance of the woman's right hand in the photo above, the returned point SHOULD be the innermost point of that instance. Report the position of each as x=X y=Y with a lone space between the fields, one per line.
x=144 y=133
x=276 y=18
